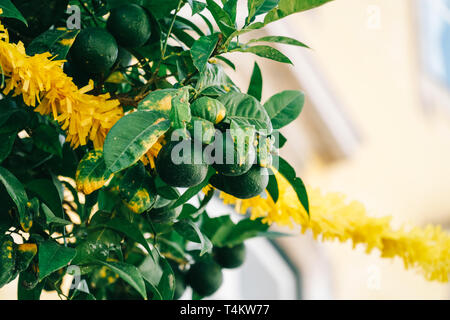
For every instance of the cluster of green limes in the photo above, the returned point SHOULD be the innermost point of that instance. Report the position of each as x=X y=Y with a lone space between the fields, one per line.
x=186 y=163
x=205 y=276
x=96 y=49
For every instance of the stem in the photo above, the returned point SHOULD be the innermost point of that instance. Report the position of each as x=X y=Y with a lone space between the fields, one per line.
x=163 y=51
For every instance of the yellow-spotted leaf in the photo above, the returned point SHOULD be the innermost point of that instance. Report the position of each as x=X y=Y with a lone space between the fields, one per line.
x=132 y=136
x=92 y=173
x=136 y=188
x=201 y=130
x=209 y=109
x=18 y=194
x=56 y=41
x=159 y=100
x=7 y=260
x=25 y=254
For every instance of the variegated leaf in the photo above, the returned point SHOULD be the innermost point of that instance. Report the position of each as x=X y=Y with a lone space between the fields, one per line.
x=92 y=173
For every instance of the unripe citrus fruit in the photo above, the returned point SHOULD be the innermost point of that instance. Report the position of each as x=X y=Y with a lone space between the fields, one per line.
x=230 y=257
x=181 y=164
x=228 y=160
x=205 y=277
x=246 y=186
x=94 y=51
x=130 y=25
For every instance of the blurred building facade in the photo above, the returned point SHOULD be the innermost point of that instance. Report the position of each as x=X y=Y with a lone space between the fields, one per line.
x=393 y=150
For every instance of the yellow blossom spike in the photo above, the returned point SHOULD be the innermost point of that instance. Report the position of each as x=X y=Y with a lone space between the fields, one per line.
x=44 y=85
x=332 y=217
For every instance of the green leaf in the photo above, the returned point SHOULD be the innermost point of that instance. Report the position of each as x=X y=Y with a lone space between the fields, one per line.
x=46 y=191
x=272 y=188
x=127 y=228
x=196 y=6
x=217 y=229
x=214 y=81
x=180 y=114
x=92 y=173
x=224 y=232
x=280 y=139
x=46 y=138
x=81 y=295
x=97 y=245
x=131 y=137
x=52 y=257
x=17 y=193
x=246 y=110
x=165 y=190
x=159 y=275
x=33 y=294
x=159 y=9
x=190 y=231
x=256 y=83
x=288 y=7
x=56 y=41
x=51 y=218
x=193 y=191
x=288 y=172
x=194 y=212
x=202 y=50
x=159 y=100
x=246 y=229
x=258 y=7
x=284 y=107
x=230 y=7
x=6 y=144
x=279 y=39
x=227 y=61
x=129 y=274
x=221 y=17
x=266 y=52
x=10 y=11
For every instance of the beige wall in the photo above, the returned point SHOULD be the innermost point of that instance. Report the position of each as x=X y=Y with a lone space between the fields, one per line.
x=402 y=167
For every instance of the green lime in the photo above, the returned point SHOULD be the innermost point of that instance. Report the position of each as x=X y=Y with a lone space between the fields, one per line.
x=228 y=160
x=181 y=164
x=130 y=25
x=205 y=277
x=94 y=51
x=246 y=186
x=230 y=257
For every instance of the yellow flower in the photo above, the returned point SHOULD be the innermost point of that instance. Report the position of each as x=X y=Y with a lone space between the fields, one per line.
x=150 y=156
x=334 y=218
x=43 y=85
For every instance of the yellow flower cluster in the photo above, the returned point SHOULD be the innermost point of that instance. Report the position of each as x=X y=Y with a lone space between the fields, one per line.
x=44 y=85
x=334 y=218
